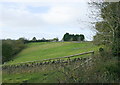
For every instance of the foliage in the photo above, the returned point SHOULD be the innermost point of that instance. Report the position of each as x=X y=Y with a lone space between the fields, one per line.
x=109 y=35
x=41 y=40
x=55 y=39
x=72 y=37
x=24 y=40
x=10 y=48
x=34 y=39
x=109 y=28
x=99 y=69
x=6 y=52
x=95 y=69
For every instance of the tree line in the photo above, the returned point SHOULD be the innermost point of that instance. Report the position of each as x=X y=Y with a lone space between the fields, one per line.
x=41 y=40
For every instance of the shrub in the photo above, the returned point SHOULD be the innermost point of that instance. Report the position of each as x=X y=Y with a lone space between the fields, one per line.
x=10 y=48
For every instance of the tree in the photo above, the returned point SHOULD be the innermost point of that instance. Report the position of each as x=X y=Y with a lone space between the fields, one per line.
x=34 y=39
x=66 y=37
x=109 y=28
x=72 y=37
x=56 y=39
x=81 y=36
x=7 y=52
x=23 y=40
x=75 y=38
x=43 y=38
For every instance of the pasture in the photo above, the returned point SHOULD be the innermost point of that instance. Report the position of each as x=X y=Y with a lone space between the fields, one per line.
x=46 y=50
x=46 y=73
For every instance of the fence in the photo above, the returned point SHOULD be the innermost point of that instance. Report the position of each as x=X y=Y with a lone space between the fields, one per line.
x=50 y=59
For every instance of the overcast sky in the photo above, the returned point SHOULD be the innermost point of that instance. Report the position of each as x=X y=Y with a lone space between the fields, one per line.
x=44 y=18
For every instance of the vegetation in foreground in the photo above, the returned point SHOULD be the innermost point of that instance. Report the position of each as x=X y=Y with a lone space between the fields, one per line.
x=102 y=68
x=97 y=70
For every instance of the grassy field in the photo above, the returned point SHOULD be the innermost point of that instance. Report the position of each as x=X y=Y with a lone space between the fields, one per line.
x=51 y=73
x=46 y=73
x=45 y=50
x=92 y=72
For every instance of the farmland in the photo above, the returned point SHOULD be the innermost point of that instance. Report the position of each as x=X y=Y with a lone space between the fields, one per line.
x=74 y=70
x=74 y=59
x=46 y=50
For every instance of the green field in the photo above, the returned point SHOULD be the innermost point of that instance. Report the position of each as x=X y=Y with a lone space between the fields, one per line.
x=45 y=50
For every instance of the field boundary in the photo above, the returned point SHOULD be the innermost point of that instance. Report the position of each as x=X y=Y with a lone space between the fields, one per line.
x=70 y=56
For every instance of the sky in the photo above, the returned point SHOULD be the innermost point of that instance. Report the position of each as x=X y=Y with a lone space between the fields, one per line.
x=44 y=18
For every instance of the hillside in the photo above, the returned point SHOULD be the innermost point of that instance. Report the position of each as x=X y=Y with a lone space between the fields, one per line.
x=45 y=50
x=75 y=71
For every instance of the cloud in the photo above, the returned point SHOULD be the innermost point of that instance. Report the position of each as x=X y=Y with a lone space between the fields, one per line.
x=20 y=16
x=60 y=15
x=19 y=19
x=53 y=1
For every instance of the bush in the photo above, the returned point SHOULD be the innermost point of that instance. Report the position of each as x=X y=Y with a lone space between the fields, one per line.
x=101 y=51
x=10 y=48
x=6 y=52
x=114 y=69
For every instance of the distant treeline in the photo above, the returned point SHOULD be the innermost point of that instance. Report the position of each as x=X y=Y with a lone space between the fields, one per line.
x=42 y=40
x=72 y=37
